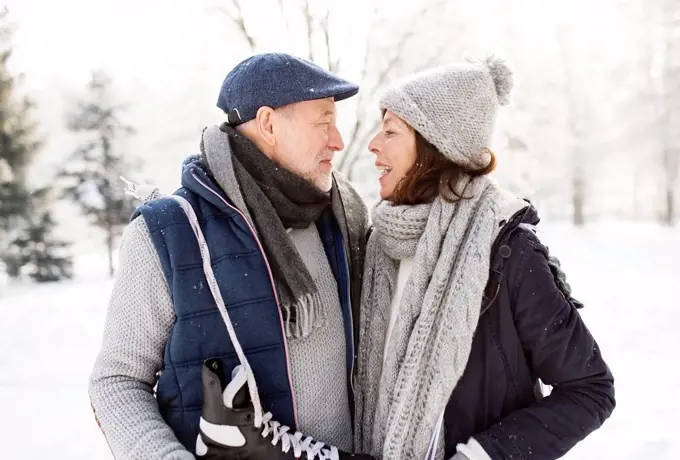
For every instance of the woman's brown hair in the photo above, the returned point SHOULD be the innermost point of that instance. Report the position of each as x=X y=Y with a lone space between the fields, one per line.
x=434 y=175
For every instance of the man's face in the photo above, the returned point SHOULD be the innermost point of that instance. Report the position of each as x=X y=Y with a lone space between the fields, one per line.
x=306 y=139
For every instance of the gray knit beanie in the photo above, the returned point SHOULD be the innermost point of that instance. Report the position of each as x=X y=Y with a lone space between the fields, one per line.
x=454 y=107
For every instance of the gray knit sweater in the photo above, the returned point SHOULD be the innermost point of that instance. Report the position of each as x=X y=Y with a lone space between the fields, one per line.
x=138 y=324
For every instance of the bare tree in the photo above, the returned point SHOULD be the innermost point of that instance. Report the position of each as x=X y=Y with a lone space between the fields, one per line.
x=670 y=105
x=373 y=63
x=640 y=106
x=234 y=12
x=644 y=129
x=659 y=101
x=575 y=129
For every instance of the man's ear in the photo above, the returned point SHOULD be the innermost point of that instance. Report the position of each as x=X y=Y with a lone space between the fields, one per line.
x=264 y=124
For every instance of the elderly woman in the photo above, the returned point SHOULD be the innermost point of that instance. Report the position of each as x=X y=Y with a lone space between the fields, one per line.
x=462 y=310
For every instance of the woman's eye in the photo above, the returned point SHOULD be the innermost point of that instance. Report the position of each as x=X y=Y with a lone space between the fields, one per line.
x=389 y=133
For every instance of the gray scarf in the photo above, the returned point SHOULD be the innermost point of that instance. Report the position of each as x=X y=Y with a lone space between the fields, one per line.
x=276 y=200
x=399 y=405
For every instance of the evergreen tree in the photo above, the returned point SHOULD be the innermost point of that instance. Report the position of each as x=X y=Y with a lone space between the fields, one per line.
x=18 y=143
x=35 y=251
x=91 y=175
x=26 y=226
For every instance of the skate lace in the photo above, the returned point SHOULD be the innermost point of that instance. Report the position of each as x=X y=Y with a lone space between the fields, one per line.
x=314 y=450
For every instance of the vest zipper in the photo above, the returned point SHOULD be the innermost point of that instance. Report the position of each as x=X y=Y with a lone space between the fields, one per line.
x=273 y=284
x=351 y=330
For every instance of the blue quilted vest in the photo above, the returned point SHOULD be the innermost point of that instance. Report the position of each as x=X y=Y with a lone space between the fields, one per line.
x=199 y=332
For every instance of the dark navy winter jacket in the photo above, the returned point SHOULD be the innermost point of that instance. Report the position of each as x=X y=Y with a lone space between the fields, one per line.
x=529 y=330
x=244 y=280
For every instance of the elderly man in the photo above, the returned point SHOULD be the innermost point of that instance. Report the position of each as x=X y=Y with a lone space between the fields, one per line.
x=284 y=238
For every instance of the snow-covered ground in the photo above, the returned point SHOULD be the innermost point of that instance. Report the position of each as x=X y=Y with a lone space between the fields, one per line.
x=626 y=274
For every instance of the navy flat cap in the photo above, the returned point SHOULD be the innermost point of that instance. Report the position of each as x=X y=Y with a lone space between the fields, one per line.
x=275 y=80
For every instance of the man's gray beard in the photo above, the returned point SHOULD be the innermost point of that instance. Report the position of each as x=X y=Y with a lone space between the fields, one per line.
x=309 y=178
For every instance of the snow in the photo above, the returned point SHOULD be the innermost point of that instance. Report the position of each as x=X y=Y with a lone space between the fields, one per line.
x=49 y=336
x=625 y=273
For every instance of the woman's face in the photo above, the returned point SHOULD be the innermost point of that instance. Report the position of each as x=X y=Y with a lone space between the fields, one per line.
x=395 y=152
